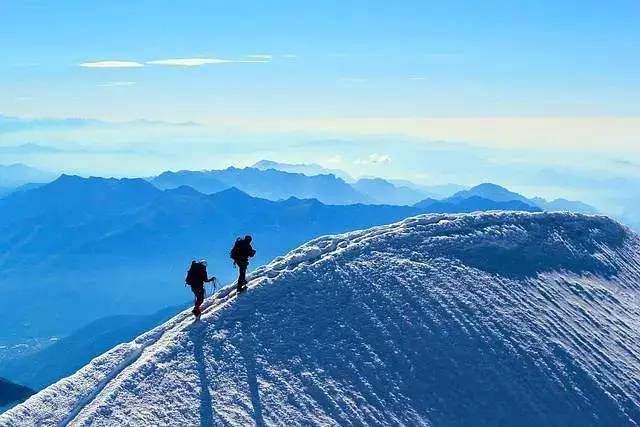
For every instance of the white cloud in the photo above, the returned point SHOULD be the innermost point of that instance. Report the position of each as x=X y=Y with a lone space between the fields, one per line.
x=417 y=78
x=189 y=62
x=374 y=159
x=112 y=64
x=176 y=62
x=117 y=84
x=290 y=55
x=197 y=62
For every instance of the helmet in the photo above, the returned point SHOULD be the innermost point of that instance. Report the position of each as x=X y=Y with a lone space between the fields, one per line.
x=203 y=262
x=248 y=238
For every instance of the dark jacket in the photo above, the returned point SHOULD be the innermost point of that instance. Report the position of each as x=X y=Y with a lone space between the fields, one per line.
x=242 y=251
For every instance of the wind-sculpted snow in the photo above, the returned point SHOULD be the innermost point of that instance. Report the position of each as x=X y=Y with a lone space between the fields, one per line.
x=482 y=319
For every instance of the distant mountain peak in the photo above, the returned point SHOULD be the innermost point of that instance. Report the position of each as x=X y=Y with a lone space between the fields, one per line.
x=232 y=192
x=383 y=191
x=269 y=164
x=309 y=169
x=376 y=180
x=64 y=177
x=489 y=185
x=498 y=193
x=493 y=192
x=17 y=174
x=473 y=203
x=184 y=190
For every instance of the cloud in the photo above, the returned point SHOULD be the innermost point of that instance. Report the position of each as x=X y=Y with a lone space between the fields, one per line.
x=116 y=84
x=175 y=62
x=374 y=159
x=417 y=78
x=335 y=160
x=189 y=62
x=290 y=55
x=197 y=62
x=28 y=148
x=627 y=164
x=112 y=64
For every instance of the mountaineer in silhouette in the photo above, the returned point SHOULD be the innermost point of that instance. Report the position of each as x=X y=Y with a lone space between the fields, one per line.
x=240 y=255
x=196 y=278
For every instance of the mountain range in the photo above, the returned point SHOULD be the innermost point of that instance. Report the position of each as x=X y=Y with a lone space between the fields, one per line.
x=509 y=200
x=374 y=190
x=473 y=204
x=385 y=192
x=275 y=184
x=494 y=318
x=268 y=184
x=279 y=181
x=309 y=169
x=85 y=248
x=435 y=191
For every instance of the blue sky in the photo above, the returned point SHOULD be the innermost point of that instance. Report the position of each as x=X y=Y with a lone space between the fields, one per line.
x=321 y=59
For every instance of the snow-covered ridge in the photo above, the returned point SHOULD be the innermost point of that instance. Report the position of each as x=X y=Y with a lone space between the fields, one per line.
x=444 y=319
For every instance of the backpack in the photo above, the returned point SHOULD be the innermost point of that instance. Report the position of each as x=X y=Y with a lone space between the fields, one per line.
x=194 y=275
x=235 y=251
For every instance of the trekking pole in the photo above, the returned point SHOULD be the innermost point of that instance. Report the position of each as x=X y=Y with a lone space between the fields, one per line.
x=214 y=282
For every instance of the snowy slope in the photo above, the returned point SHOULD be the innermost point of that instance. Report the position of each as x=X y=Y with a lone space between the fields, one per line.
x=482 y=319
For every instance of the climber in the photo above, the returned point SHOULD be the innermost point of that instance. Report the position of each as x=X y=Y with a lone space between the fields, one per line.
x=240 y=255
x=196 y=278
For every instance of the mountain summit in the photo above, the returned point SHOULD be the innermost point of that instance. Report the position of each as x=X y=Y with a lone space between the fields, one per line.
x=491 y=192
x=493 y=318
x=496 y=193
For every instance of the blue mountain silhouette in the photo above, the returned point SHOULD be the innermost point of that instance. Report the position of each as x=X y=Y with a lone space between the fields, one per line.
x=489 y=196
x=269 y=184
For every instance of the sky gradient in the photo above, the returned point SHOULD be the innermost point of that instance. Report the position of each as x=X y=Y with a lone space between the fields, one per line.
x=203 y=60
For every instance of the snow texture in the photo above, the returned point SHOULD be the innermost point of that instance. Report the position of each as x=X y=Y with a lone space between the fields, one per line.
x=482 y=319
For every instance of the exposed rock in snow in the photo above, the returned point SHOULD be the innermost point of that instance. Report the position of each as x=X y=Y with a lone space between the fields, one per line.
x=494 y=318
